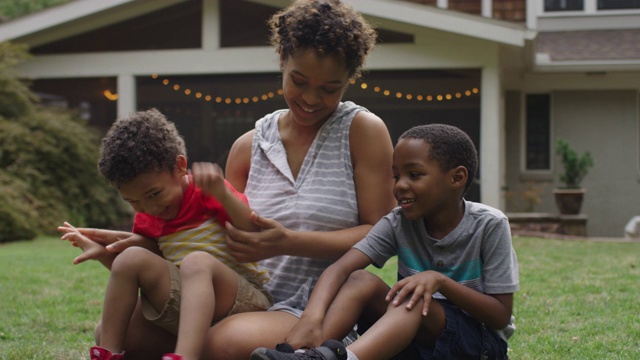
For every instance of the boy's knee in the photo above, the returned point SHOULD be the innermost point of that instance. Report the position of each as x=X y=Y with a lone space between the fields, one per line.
x=196 y=262
x=360 y=276
x=129 y=258
x=367 y=280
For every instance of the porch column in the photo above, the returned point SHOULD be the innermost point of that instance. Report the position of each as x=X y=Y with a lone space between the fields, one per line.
x=210 y=25
x=492 y=156
x=487 y=8
x=127 y=102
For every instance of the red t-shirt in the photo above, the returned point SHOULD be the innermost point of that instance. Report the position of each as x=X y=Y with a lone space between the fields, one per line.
x=197 y=207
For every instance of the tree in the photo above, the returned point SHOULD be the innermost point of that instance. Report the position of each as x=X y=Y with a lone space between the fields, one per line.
x=10 y=9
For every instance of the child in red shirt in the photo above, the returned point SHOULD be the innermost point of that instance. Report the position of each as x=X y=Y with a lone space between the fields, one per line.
x=196 y=281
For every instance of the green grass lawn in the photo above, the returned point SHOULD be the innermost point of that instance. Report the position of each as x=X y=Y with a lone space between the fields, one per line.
x=578 y=300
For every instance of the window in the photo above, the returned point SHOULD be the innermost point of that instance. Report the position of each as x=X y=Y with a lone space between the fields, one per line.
x=618 y=4
x=538 y=132
x=563 y=5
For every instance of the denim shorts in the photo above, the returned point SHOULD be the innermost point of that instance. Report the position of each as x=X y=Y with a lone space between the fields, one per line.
x=250 y=297
x=464 y=337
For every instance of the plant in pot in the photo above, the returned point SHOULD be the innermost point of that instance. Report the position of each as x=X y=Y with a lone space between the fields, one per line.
x=570 y=196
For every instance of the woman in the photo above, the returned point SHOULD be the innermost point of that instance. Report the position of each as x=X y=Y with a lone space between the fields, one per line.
x=317 y=174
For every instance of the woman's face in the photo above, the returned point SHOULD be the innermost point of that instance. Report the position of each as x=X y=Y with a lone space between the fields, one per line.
x=313 y=85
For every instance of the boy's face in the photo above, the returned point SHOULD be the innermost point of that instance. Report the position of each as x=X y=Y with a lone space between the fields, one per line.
x=421 y=187
x=158 y=194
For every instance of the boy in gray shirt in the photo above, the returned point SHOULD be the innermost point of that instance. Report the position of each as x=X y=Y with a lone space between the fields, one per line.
x=457 y=269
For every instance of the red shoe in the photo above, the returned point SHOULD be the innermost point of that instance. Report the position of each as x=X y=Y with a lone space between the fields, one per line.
x=100 y=353
x=171 y=357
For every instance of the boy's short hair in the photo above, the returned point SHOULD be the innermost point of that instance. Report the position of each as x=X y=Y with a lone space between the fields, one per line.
x=330 y=27
x=450 y=147
x=141 y=143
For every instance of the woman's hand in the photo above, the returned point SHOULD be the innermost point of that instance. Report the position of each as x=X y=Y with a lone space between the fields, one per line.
x=254 y=246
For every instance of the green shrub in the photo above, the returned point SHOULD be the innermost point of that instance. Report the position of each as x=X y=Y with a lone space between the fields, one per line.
x=48 y=170
x=15 y=209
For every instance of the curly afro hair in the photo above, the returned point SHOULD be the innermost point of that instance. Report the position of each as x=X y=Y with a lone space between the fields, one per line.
x=331 y=27
x=450 y=147
x=141 y=143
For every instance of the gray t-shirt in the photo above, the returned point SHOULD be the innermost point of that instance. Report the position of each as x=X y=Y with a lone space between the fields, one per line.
x=478 y=253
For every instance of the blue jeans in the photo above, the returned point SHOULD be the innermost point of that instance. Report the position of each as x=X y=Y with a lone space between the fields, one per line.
x=464 y=337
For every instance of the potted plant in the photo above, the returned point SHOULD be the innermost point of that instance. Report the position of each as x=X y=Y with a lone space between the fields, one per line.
x=570 y=196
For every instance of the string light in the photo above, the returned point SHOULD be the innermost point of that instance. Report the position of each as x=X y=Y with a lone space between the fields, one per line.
x=400 y=95
x=109 y=95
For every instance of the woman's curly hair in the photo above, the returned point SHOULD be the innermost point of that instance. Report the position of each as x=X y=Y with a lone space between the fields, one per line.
x=331 y=27
x=141 y=143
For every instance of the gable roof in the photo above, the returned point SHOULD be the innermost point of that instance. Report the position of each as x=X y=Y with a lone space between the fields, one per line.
x=596 y=49
x=55 y=23
x=431 y=17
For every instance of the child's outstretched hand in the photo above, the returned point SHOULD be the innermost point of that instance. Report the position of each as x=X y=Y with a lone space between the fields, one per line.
x=210 y=178
x=114 y=241
x=91 y=250
x=421 y=285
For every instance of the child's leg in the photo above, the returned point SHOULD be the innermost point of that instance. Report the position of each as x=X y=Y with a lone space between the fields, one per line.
x=361 y=300
x=135 y=268
x=144 y=339
x=209 y=290
x=398 y=328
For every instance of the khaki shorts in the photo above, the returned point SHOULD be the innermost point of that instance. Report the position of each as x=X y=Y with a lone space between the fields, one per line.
x=250 y=297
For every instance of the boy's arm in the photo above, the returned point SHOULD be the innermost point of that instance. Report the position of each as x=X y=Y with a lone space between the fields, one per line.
x=308 y=331
x=116 y=241
x=210 y=179
x=104 y=245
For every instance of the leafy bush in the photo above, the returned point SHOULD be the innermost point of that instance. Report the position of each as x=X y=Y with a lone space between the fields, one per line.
x=48 y=168
x=575 y=167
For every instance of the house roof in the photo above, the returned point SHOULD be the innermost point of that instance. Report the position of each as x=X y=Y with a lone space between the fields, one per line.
x=597 y=49
x=590 y=45
x=427 y=16
x=52 y=24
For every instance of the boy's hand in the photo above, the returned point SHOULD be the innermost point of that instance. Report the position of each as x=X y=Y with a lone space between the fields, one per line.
x=210 y=178
x=91 y=250
x=114 y=241
x=421 y=285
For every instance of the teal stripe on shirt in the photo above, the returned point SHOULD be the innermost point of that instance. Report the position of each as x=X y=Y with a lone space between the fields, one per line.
x=467 y=271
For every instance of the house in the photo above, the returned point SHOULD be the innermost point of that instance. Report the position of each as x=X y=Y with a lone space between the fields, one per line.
x=515 y=74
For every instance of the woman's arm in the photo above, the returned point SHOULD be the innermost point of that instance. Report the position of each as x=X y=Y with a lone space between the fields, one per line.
x=372 y=158
x=239 y=161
